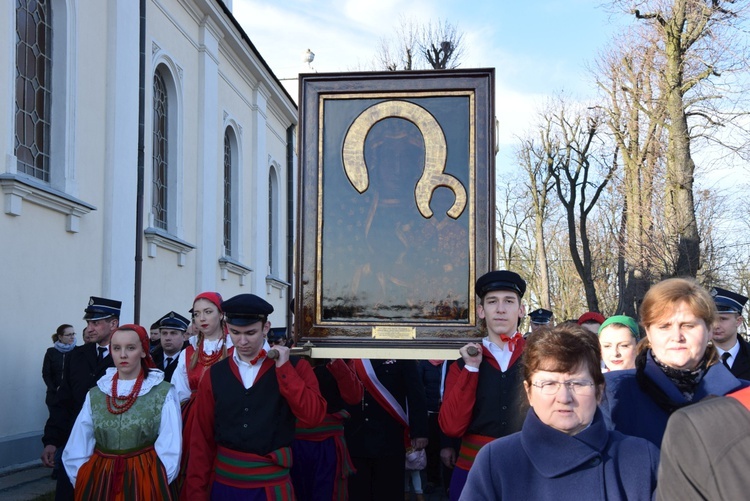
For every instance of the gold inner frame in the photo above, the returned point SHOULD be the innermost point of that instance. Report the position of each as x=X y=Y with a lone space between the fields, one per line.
x=471 y=202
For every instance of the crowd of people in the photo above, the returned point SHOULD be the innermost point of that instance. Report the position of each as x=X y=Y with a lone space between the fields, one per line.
x=217 y=407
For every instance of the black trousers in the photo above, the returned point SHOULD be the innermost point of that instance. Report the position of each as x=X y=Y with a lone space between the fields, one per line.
x=377 y=479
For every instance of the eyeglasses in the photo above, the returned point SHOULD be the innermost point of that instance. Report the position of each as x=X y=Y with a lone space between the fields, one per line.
x=580 y=388
x=71 y=334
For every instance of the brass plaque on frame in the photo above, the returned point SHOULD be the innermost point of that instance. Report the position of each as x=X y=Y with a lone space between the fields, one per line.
x=396 y=207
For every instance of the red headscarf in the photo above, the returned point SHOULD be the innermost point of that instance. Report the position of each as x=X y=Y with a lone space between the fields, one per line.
x=143 y=335
x=214 y=297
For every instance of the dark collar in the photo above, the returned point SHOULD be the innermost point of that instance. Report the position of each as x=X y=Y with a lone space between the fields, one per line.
x=554 y=453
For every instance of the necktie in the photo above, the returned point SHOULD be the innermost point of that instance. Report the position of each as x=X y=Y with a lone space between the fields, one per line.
x=725 y=359
x=101 y=353
x=258 y=357
x=167 y=362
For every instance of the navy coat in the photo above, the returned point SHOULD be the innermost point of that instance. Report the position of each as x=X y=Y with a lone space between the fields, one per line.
x=627 y=408
x=542 y=463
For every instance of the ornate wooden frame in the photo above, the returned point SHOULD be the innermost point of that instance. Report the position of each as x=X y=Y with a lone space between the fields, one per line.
x=396 y=211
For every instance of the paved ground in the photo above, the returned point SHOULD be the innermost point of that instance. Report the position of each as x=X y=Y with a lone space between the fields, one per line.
x=26 y=482
x=31 y=481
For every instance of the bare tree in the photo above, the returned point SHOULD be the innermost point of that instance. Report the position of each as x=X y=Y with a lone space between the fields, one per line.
x=537 y=161
x=442 y=45
x=581 y=169
x=400 y=51
x=628 y=76
x=415 y=46
x=695 y=39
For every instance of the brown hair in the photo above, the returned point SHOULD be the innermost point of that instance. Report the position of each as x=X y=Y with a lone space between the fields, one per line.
x=563 y=348
x=664 y=296
x=59 y=332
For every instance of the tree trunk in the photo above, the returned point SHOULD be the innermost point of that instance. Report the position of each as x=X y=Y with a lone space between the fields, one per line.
x=541 y=256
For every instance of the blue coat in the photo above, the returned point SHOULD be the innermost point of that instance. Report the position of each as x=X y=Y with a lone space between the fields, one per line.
x=628 y=409
x=542 y=463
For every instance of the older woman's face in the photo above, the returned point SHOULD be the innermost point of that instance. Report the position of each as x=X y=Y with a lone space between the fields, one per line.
x=679 y=338
x=618 y=347
x=571 y=407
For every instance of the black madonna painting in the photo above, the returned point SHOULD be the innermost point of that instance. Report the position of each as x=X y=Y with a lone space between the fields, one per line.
x=398 y=186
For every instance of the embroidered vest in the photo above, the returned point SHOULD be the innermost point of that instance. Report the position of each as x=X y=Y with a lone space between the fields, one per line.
x=134 y=429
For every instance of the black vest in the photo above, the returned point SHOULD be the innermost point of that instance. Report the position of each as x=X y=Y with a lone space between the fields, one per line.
x=256 y=420
x=500 y=406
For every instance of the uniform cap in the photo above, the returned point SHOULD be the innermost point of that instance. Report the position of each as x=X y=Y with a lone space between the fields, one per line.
x=500 y=280
x=728 y=301
x=540 y=316
x=175 y=321
x=100 y=307
x=246 y=309
x=276 y=334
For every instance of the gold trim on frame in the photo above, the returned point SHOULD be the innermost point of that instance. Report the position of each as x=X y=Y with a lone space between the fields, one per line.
x=468 y=200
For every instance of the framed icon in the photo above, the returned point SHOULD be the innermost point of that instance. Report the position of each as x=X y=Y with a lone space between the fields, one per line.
x=396 y=209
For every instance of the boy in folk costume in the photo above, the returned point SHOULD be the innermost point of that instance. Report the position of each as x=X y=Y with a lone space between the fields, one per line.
x=321 y=463
x=126 y=441
x=245 y=410
x=483 y=392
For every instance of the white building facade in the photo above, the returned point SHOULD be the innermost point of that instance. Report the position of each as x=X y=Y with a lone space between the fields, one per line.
x=146 y=197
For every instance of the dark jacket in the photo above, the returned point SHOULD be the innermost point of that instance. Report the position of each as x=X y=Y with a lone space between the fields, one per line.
x=540 y=462
x=373 y=433
x=158 y=356
x=741 y=366
x=706 y=452
x=629 y=407
x=52 y=371
x=431 y=377
x=83 y=371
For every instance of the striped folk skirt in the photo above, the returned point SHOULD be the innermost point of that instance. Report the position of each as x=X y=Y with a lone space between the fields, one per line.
x=131 y=476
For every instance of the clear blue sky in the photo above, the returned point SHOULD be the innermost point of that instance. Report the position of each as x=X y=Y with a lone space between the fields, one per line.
x=538 y=47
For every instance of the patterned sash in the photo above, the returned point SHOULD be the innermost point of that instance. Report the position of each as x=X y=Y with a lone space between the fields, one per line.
x=333 y=427
x=470 y=445
x=244 y=470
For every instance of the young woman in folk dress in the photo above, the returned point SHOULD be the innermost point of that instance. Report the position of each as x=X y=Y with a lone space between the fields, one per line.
x=210 y=345
x=126 y=443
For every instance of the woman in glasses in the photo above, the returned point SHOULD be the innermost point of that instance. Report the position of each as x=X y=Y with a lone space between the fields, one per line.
x=564 y=450
x=64 y=340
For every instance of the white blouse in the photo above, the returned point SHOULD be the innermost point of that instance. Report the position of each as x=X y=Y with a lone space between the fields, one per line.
x=180 y=376
x=168 y=445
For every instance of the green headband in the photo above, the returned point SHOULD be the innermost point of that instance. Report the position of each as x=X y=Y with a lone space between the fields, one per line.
x=625 y=320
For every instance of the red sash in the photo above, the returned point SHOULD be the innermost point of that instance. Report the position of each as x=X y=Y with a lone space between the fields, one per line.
x=470 y=445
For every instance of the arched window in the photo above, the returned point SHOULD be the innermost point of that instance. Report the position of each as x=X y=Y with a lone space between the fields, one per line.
x=228 y=162
x=273 y=221
x=159 y=203
x=33 y=87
